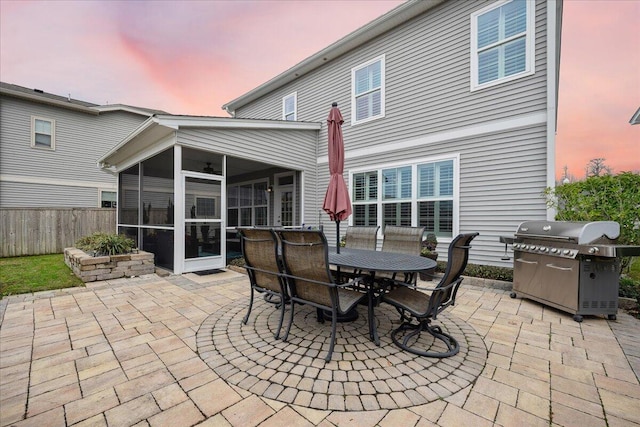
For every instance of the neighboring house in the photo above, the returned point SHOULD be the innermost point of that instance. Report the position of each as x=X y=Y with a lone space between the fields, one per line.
x=49 y=146
x=450 y=121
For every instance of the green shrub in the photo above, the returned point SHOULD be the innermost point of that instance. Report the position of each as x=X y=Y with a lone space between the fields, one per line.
x=629 y=288
x=99 y=244
x=238 y=262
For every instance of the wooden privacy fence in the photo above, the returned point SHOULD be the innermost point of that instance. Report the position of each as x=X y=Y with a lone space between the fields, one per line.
x=36 y=231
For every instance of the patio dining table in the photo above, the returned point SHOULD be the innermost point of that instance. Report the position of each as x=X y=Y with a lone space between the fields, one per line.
x=370 y=262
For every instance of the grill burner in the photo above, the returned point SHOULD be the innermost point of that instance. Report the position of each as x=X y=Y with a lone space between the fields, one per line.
x=572 y=266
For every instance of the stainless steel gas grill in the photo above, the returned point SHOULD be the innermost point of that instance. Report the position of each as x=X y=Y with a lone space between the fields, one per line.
x=571 y=266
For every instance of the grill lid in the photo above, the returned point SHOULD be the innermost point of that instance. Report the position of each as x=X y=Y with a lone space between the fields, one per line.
x=578 y=232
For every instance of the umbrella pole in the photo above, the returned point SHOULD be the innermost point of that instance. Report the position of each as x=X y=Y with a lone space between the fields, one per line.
x=338 y=236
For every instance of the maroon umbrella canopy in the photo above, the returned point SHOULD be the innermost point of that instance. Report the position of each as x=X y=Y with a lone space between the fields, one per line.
x=336 y=201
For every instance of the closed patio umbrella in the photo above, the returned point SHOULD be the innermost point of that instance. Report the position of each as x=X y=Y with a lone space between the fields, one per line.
x=336 y=201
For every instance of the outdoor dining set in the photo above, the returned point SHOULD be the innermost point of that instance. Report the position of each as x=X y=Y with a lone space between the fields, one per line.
x=296 y=267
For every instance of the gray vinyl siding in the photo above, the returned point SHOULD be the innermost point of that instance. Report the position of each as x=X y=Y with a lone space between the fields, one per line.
x=427 y=67
x=427 y=84
x=80 y=139
x=21 y=195
x=293 y=150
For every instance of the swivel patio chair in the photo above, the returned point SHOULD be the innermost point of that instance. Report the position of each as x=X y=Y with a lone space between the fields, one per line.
x=357 y=237
x=404 y=240
x=413 y=303
x=306 y=263
x=361 y=237
x=260 y=251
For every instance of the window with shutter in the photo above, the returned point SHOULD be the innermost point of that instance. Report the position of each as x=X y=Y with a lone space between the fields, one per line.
x=502 y=43
x=367 y=97
x=417 y=194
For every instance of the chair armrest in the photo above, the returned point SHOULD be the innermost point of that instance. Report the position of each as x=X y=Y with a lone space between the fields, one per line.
x=422 y=288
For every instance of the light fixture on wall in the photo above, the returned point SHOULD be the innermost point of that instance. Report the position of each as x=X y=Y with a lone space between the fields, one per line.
x=270 y=189
x=208 y=169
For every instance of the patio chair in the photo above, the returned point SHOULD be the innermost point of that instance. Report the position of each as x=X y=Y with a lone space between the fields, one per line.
x=361 y=237
x=413 y=303
x=260 y=251
x=306 y=262
x=404 y=240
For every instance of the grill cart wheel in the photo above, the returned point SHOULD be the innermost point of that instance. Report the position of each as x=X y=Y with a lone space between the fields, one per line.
x=577 y=318
x=512 y=294
x=611 y=317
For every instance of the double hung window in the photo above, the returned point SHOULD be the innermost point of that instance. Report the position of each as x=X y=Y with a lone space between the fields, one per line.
x=367 y=94
x=502 y=42
x=289 y=107
x=43 y=133
x=418 y=194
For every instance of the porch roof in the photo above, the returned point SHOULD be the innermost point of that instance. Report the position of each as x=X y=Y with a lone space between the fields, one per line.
x=157 y=130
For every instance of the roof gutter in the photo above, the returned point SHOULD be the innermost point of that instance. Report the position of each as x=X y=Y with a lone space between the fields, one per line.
x=43 y=100
x=386 y=22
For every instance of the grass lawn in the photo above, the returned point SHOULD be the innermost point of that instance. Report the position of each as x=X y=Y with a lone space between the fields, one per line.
x=27 y=274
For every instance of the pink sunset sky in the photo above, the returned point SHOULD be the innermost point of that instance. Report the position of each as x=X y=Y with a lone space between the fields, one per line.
x=190 y=57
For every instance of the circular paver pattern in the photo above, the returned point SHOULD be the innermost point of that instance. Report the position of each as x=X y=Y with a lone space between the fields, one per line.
x=360 y=376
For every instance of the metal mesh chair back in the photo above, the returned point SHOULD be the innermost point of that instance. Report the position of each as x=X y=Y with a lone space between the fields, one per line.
x=361 y=238
x=405 y=240
x=457 y=259
x=260 y=251
x=305 y=255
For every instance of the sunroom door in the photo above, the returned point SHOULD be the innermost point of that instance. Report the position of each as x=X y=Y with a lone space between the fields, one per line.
x=204 y=202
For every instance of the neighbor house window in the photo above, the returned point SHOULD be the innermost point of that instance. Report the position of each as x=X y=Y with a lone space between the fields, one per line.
x=289 y=105
x=367 y=91
x=108 y=199
x=247 y=204
x=418 y=194
x=43 y=133
x=502 y=42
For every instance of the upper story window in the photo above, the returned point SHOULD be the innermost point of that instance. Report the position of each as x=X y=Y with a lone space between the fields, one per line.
x=367 y=91
x=289 y=107
x=43 y=133
x=502 y=43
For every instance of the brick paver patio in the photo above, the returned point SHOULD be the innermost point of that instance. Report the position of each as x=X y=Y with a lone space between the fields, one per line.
x=171 y=351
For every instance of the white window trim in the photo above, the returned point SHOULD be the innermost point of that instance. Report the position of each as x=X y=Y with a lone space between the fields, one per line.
x=295 y=106
x=33 y=133
x=101 y=191
x=455 y=157
x=530 y=46
x=253 y=206
x=381 y=59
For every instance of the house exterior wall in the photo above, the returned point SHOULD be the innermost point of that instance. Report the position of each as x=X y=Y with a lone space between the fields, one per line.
x=67 y=176
x=499 y=134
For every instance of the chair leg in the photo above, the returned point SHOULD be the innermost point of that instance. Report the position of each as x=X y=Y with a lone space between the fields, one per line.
x=334 y=321
x=286 y=335
x=246 y=318
x=424 y=325
x=282 y=306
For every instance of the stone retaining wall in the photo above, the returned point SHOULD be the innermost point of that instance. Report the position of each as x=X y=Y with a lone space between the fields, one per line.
x=90 y=269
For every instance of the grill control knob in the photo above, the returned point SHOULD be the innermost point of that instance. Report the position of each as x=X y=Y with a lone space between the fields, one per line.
x=533 y=248
x=566 y=252
x=542 y=249
x=594 y=250
x=554 y=250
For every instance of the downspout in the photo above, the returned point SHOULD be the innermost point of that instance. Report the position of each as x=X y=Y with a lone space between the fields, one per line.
x=317 y=195
x=553 y=47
